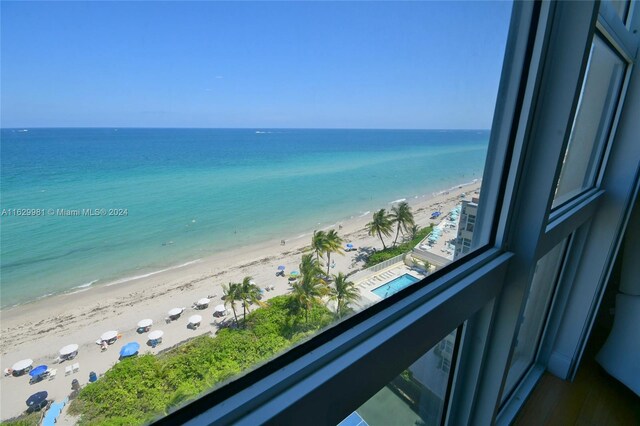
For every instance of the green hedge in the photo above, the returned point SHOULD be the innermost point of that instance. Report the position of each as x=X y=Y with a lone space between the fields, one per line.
x=138 y=389
x=389 y=252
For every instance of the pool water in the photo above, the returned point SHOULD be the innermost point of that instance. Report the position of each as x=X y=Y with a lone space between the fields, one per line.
x=392 y=287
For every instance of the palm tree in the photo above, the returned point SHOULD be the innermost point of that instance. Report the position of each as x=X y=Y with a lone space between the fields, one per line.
x=380 y=225
x=231 y=295
x=413 y=231
x=249 y=293
x=317 y=243
x=310 y=287
x=332 y=244
x=343 y=292
x=401 y=214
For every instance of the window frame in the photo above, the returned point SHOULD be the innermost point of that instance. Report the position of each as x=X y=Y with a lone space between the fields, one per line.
x=486 y=290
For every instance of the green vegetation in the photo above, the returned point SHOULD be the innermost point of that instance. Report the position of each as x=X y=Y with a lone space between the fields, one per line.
x=332 y=244
x=382 y=224
x=343 y=292
x=389 y=252
x=325 y=243
x=310 y=288
x=246 y=292
x=138 y=389
x=31 y=419
x=402 y=216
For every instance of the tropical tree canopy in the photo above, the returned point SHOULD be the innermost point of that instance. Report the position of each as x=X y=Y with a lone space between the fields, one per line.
x=249 y=294
x=310 y=288
x=231 y=295
x=318 y=243
x=343 y=292
x=380 y=225
x=332 y=244
x=402 y=216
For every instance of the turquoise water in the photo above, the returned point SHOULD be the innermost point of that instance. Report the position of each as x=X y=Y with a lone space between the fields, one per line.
x=395 y=285
x=189 y=193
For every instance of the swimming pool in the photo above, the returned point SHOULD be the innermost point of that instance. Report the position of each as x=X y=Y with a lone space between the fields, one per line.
x=392 y=287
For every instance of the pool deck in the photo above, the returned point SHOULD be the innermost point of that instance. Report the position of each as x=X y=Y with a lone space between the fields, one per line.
x=376 y=279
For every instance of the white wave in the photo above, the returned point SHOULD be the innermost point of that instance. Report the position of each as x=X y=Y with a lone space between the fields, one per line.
x=87 y=284
x=137 y=277
x=365 y=213
x=399 y=200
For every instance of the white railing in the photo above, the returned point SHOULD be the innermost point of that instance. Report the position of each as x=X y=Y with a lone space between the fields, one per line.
x=377 y=267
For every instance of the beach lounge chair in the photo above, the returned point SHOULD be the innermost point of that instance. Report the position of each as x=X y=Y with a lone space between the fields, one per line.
x=52 y=374
x=76 y=367
x=68 y=370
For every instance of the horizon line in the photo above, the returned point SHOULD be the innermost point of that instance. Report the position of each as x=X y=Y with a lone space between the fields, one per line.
x=238 y=128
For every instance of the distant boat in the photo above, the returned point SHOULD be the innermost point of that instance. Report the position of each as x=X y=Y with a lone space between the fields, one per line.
x=23 y=130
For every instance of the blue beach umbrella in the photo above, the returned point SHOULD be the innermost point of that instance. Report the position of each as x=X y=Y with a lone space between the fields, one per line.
x=37 y=399
x=39 y=370
x=129 y=349
x=349 y=245
x=294 y=273
x=281 y=268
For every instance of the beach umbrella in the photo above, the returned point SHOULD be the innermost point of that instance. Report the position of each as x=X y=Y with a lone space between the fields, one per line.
x=220 y=308
x=175 y=311
x=129 y=349
x=252 y=282
x=203 y=301
x=195 y=319
x=145 y=323
x=281 y=268
x=294 y=273
x=349 y=245
x=37 y=399
x=155 y=335
x=68 y=350
x=38 y=371
x=22 y=364
x=109 y=335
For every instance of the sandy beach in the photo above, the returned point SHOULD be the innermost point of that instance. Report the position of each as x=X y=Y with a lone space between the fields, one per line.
x=39 y=329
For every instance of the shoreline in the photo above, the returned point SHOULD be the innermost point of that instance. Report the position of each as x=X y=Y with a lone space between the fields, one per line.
x=38 y=329
x=131 y=276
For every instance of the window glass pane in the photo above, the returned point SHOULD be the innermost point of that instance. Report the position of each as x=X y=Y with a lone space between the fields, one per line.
x=179 y=206
x=591 y=126
x=535 y=314
x=621 y=7
x=416 y=396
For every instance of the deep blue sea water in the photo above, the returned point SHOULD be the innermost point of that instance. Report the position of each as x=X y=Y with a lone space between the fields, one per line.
x=204 y=190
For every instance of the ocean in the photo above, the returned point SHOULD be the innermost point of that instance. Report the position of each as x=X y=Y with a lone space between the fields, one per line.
x=110 y=204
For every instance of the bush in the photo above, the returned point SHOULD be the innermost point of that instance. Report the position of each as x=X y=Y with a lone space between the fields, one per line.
x=31 y=419
x=389 y=252
x=136 y=390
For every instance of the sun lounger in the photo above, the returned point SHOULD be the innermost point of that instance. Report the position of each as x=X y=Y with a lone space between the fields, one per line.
x=52 y=374
x=68 y=370
x=76 y=367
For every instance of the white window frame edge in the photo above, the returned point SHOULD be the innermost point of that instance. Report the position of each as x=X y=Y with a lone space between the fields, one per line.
x=571 y=219
x=567 y=39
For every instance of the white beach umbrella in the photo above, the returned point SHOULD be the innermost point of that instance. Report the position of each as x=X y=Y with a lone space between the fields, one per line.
x=220 y=308
x=203 y=301
x=175 y=311
x=252 y=282
x=155 y=335
x=109 y=335
x=145 y=323
x=69 y=349
x=195 y=319
x=22 y=364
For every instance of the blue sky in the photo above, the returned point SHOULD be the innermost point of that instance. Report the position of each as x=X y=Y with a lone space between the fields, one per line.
x=217 y=64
